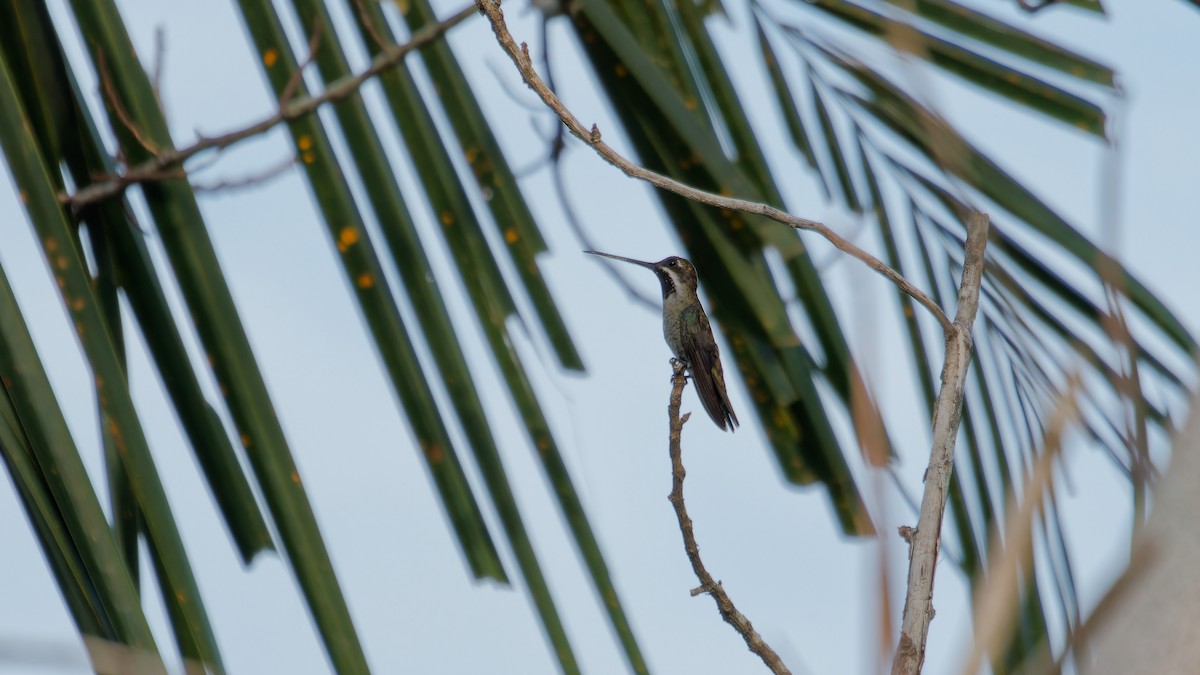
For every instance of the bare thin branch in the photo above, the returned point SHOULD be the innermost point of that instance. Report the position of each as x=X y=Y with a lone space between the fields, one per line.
x=110 y=94
x=247 y=181
x=574 y=222
x=154 y=169
x=947 y=414
x=707 y=584
x=368 y=26
x=294 y=82
x=520 y=57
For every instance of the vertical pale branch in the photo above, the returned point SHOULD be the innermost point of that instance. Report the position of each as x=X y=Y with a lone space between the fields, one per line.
x=707 y=584
x=947 y=413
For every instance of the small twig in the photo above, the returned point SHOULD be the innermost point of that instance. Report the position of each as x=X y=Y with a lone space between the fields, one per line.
x=947 y=414
x=560 y=140
x=707 y=584
x=515 y=95
x=297 y=77
x=368 y=26
x=118 y=108
x=246 y=181
x=576 y=225
x=338 y=90
x=520 y=57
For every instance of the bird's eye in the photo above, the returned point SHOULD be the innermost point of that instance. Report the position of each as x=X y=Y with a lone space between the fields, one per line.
x=674 y=263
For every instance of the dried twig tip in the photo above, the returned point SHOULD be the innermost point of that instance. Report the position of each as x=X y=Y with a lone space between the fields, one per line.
x=595 y=135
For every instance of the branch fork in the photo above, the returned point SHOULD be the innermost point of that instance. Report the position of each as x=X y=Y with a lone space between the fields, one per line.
x=924 y=540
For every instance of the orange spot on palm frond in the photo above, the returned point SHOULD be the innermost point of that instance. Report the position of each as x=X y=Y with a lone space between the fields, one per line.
x=347 y=237
x=365 y=280
x=270 y=57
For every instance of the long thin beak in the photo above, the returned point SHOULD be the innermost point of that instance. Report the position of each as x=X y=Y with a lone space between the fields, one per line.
x=628 y=260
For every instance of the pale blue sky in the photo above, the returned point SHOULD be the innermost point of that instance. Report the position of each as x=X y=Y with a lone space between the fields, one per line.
x=808 y=591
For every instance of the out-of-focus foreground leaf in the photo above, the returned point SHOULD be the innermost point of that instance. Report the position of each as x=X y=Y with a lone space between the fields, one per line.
x=63 y=257
x=138 y=122
x=68 y=135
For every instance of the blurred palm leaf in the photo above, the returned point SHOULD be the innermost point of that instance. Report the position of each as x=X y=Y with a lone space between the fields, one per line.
x=869 y=141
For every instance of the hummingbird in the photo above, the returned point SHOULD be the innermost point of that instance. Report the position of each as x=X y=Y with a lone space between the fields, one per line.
x=689 y=335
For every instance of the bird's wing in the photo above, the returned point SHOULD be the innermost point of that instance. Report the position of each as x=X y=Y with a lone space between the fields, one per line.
x=704 y=363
